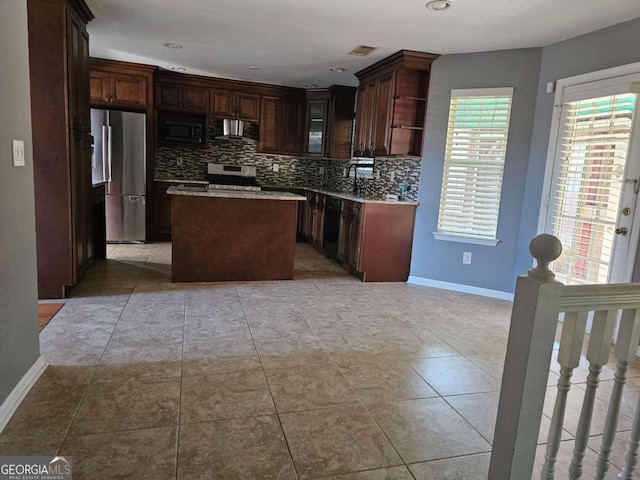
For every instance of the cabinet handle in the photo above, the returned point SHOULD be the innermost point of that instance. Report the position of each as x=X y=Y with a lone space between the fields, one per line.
x=106 y=97
x=373 y=147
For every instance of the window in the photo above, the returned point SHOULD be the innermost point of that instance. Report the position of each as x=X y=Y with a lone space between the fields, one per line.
x=474 y=164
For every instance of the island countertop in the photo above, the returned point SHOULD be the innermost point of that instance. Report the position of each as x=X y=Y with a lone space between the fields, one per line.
x=224 y=193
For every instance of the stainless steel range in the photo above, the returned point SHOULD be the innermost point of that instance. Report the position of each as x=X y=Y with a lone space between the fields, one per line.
x=232 y=177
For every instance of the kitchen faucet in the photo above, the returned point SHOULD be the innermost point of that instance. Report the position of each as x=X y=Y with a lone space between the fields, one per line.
x=355 y=177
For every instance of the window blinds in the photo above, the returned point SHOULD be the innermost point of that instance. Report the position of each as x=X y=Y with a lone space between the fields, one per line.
x=586 y=195
x=474 y=162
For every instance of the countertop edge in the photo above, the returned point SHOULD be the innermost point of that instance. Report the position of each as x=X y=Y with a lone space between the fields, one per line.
x=250 y=195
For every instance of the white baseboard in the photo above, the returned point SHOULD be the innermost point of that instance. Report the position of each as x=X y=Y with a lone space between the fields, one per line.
x=458 y=287
x=13 y=401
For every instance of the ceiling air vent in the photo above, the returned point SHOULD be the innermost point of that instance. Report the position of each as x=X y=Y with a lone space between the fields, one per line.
x=362 y=50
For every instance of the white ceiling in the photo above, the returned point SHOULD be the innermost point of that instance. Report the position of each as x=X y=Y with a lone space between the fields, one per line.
x=296 y=41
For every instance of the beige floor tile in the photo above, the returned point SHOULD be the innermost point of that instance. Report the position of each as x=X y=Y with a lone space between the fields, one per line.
x=427 y=429
x=630 y=394
x=469 y=467
x=31 y=446
x=309 y=388
x=78 y=345
x=46 y=412
x=109 y=407
x=235 y=449
x=391 y=473
x=354 y=342
x=206 y=329
x=225 y=395
x=335 y=441
x=99 y=295
x=292 y=352
x=454 y=375
x=386 y=382
x=147 y=454
x=477 y=341
x=73 y=315
x=202 y=362
x=481 y=411
x=271 y=324
x=67 y=375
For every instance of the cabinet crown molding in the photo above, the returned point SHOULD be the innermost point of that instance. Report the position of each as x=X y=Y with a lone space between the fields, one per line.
x=402 y=59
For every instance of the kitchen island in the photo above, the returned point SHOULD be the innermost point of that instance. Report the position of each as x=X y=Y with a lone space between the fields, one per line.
x=229 y=235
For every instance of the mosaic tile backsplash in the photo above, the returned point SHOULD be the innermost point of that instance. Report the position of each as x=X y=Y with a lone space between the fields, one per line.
x=189 y=164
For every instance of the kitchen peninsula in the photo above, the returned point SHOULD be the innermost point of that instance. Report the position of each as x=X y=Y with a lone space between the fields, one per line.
x=225 y=235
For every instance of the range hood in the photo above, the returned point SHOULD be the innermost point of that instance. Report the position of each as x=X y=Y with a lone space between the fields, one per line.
x=232 y=130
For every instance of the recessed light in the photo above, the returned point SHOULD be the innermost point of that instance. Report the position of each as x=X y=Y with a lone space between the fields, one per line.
x=177 y=46
x=438 y=5
x=337 y=69
x=310 y=85
x=178 y=69
x=254 y=67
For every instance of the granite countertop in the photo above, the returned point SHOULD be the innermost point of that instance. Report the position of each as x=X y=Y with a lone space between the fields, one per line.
x=219 y=193
x=267 y=194
x=176 y=180
x=347 y=196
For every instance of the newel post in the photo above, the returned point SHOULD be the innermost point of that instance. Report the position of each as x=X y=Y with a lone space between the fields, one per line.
x=531 y=336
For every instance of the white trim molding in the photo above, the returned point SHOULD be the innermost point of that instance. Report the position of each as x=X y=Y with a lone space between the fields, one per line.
x=460 y=238
x=458 y=287
x=17 y=395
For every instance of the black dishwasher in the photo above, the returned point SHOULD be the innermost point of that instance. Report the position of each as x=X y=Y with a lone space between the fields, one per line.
x=331 y=226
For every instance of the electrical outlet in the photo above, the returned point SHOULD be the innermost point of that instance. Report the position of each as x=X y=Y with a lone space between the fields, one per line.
x=18 y=153
x=344 y=172
x=466 y=258
x=392 y=176
x=180 y=161
x=377 y=174
x=321 y=170
x=276 y=167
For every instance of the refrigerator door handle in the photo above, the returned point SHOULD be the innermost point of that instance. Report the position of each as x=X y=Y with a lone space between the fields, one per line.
x=109 y=151
x=104 y=152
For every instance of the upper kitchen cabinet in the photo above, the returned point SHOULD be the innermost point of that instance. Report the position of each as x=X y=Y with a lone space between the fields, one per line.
x=176 y=93
x=120 y=85
x=234 y=104
x=330 y=122
x=60 y=114
x=392 y=104
x=281 y=121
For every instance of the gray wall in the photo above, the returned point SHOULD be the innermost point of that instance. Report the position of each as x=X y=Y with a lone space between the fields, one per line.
x=18 y=282
x=491 y=267
x=610 y=47
x=528 y=71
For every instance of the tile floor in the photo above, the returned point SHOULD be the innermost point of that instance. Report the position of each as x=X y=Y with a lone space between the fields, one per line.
x=321 y=377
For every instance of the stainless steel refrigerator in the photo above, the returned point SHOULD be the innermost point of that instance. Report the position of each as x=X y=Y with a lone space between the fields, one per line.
x=119 y=158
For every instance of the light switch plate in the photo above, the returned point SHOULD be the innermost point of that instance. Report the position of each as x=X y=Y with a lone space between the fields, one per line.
x=276 y=167
x=466 y=258
x=18 y=153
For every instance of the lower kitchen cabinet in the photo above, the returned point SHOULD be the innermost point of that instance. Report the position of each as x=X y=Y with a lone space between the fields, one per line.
x=314 y=229
x=348 y=241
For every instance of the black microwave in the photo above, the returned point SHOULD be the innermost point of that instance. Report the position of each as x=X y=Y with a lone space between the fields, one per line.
x=181 y=131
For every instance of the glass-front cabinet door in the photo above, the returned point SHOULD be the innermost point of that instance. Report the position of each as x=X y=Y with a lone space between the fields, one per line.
x=316 y=125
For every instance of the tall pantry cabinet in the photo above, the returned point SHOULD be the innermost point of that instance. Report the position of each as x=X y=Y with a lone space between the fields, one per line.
x=60 y=112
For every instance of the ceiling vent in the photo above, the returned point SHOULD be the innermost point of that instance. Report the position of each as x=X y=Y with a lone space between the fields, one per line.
x=362 y=50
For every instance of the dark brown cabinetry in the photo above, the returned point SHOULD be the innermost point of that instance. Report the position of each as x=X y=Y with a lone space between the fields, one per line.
x=329 y=123
x=314 y=218
x=391 y=105
x=120 y=84
x=348 y=239
x=233 y=104
x=281 y=123
x=59 y=74
x=162 y=208
x=177 y=97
